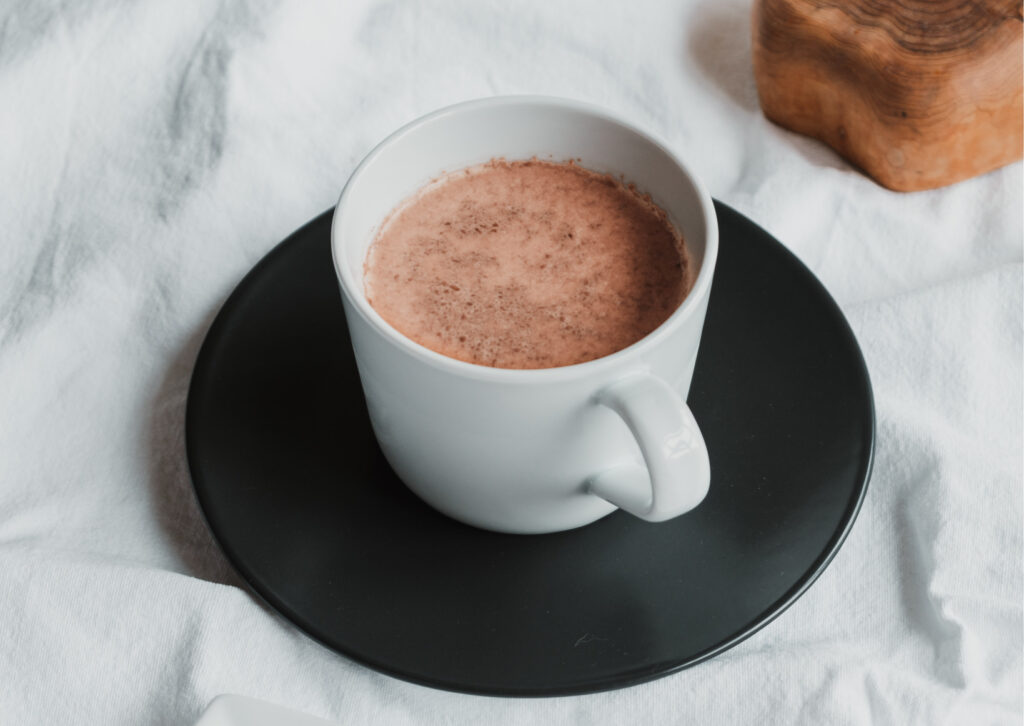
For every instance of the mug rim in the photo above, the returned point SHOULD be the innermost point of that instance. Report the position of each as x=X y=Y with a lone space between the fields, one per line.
x=685 y=310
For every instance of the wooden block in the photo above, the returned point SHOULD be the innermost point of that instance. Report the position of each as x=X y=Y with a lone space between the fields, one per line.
x=917 y=93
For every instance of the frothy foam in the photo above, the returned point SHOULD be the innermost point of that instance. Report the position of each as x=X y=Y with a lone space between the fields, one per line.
x=526 y=264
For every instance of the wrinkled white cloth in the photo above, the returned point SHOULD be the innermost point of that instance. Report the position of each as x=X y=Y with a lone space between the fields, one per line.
x=151 y=152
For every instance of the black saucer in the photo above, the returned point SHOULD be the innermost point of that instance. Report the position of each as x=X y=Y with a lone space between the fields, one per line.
x=302 y=502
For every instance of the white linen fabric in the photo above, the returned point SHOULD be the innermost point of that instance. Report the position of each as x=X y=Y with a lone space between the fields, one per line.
x=153 y=151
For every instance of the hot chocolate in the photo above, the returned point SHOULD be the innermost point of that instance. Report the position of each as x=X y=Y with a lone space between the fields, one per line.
x=526 y=264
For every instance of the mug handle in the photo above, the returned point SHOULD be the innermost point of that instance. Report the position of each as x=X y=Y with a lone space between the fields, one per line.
x=678 y=472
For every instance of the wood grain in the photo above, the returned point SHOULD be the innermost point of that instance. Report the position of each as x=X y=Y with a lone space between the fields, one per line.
x=917 y=93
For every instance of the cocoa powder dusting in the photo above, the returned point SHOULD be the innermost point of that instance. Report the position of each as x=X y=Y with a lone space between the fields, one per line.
x=526 y=264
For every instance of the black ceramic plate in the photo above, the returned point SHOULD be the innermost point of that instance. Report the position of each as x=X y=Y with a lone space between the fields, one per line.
x=299 y=497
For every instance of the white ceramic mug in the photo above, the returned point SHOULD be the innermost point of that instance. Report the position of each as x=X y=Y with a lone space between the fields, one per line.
x=531 y=451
